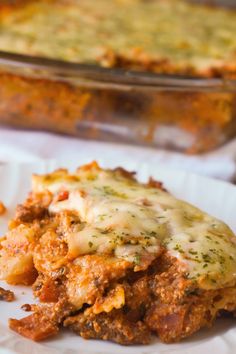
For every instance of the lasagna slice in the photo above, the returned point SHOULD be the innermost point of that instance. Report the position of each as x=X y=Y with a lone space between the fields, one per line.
x=117 y=260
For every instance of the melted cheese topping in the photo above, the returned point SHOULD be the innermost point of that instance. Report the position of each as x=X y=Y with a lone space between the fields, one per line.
x=83 y=30
x=132 y=221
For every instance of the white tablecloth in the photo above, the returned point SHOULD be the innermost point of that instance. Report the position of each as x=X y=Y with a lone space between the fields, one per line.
x=25 y=146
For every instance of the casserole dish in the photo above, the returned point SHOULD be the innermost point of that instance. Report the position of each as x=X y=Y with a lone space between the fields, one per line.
x=136 y=102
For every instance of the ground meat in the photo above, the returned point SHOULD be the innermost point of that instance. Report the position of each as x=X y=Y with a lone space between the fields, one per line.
x=173 y=322
x=6 y=295
x=158 y=300
x=113 y=326
x=30 y=213
x=178 y=308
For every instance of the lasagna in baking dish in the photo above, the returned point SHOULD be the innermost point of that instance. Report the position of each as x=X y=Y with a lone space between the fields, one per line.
x=117 y=260
x=167 y=36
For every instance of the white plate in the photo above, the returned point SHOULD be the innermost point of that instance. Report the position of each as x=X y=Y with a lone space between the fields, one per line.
x=215 y=197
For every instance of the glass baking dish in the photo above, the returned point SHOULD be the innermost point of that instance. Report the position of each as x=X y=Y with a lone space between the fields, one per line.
x=192 y=115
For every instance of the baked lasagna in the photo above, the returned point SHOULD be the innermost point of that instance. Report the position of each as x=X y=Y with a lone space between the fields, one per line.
x=157 y=36
x=117 y=260
x=167 y=36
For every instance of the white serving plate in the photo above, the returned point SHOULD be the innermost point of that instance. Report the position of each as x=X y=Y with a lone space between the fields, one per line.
x=215 y=197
